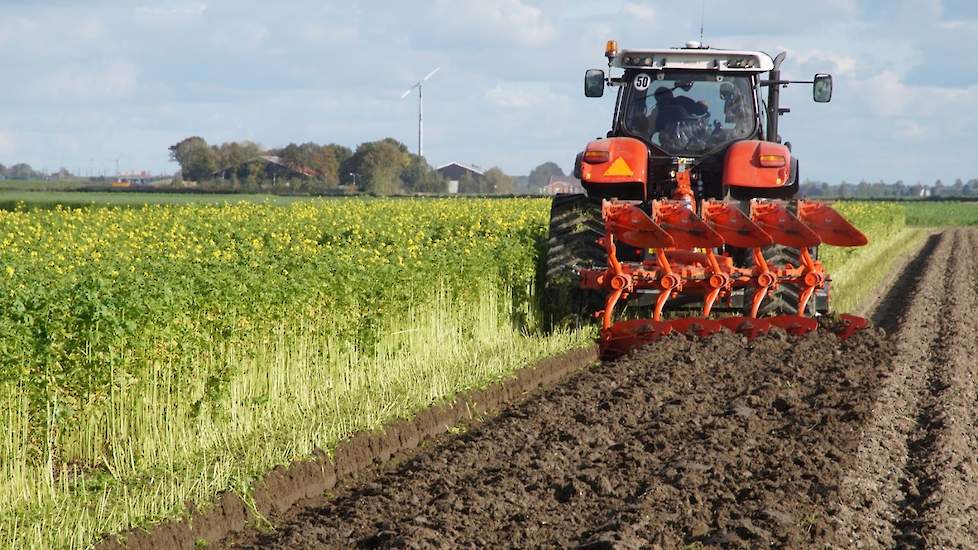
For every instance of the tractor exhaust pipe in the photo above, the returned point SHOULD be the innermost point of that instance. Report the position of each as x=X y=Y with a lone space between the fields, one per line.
x=774 y=100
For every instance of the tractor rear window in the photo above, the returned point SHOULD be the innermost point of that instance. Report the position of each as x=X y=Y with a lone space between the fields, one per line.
x=690 y=113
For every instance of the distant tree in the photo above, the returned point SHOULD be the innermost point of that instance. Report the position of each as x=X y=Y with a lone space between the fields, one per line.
x=468 y=184
x=21 y=171
x=523 y=185
x=251 y=175
x=845 y=190
x=900 y=189
x=334 y=157
x=957 y=190
x=971 y=188
x=325 y=160
x=231 y=157
x=916 y=190
x=197 y=161
x=499 y=183
x=378 y=165
x=3 y=170
x=419 y=177
x=540 y=176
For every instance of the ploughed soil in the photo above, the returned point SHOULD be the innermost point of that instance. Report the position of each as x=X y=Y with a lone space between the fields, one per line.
x=795 y=442
x=715 y=442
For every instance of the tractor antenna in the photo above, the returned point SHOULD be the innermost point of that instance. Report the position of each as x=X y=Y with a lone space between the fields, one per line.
x=702 y=18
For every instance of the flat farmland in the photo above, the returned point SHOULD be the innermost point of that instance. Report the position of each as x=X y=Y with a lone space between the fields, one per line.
x=158 y=356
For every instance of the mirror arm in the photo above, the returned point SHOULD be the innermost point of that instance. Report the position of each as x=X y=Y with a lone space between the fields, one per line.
x=784 y=82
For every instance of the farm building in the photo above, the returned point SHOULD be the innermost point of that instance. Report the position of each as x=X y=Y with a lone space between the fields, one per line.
x=131 y=179
x=562 y=185
x=275 y=167
x=454 y=171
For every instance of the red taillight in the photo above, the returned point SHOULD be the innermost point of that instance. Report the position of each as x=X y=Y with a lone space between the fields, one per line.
x=771 y=161
x=596 y=157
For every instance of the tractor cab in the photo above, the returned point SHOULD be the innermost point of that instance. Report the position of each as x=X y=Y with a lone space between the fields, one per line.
x=693 y=108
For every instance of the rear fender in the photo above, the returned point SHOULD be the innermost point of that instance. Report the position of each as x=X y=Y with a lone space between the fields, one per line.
x=616 y=163
x=760 y=169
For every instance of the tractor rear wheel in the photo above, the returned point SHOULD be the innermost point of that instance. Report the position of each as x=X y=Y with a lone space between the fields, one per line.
x=575 y=227
x=784 y=300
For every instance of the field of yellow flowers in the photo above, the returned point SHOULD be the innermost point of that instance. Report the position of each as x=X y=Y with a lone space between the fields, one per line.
x=157 y=355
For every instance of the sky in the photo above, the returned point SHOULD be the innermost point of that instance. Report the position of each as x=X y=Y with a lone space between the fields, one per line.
x=90 y=82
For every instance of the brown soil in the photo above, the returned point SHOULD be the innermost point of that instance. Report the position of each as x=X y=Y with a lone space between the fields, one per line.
x=304 y=482
x=811 y=442
x=914 y=481
x=715 y=442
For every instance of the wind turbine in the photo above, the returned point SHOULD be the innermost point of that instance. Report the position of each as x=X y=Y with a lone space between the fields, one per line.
x=420 y=87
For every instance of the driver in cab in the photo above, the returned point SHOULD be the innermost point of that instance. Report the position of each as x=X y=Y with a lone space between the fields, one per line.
x=670 y=109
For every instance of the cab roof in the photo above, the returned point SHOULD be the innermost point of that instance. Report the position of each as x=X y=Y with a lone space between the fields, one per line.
x=699 y=58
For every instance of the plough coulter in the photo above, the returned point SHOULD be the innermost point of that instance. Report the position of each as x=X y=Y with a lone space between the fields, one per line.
x=686 y=216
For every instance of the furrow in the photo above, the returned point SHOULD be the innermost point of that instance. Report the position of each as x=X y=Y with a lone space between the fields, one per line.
x=921 y=483
x=947 y=514
x=872 y=492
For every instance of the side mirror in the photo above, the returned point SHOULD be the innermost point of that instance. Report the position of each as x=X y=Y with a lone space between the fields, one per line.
x=822 y=88
x=594 y=83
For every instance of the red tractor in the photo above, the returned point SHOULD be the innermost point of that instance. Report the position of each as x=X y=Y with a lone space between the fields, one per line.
x=686 y=206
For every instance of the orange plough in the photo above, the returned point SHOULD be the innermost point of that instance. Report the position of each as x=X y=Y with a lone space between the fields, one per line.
x=687 y=257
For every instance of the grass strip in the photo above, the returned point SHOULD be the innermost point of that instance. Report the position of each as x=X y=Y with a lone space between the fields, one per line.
x=295 y=391
x=854 y=281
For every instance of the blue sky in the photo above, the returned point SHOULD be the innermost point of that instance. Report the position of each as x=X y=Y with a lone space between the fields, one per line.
x=87 y=82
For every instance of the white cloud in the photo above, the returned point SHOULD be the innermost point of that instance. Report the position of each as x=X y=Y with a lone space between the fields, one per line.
x=912 y=131
x=888 y=95
x=16 y=28
x=504 y=20
x=176 y=11
x=242 y=36
x=115 y=80
x=846 y=7
x=523 y=95
x=838 y=63
x=959 y=25
x=89 y=28
x=640 y=11
x=315 y=32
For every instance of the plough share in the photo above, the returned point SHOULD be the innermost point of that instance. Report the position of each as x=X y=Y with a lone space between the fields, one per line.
x=685 y=261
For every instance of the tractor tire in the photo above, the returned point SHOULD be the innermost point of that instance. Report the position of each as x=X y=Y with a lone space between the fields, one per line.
x=784 y=300
x=575 y=227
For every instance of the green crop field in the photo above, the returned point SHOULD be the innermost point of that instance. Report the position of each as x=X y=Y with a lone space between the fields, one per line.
x=941 y=213
x=162 y=348
x=15 y=199
x=41 y=186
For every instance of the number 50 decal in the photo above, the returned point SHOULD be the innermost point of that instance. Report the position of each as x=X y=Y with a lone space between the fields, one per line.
x=642 y=82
